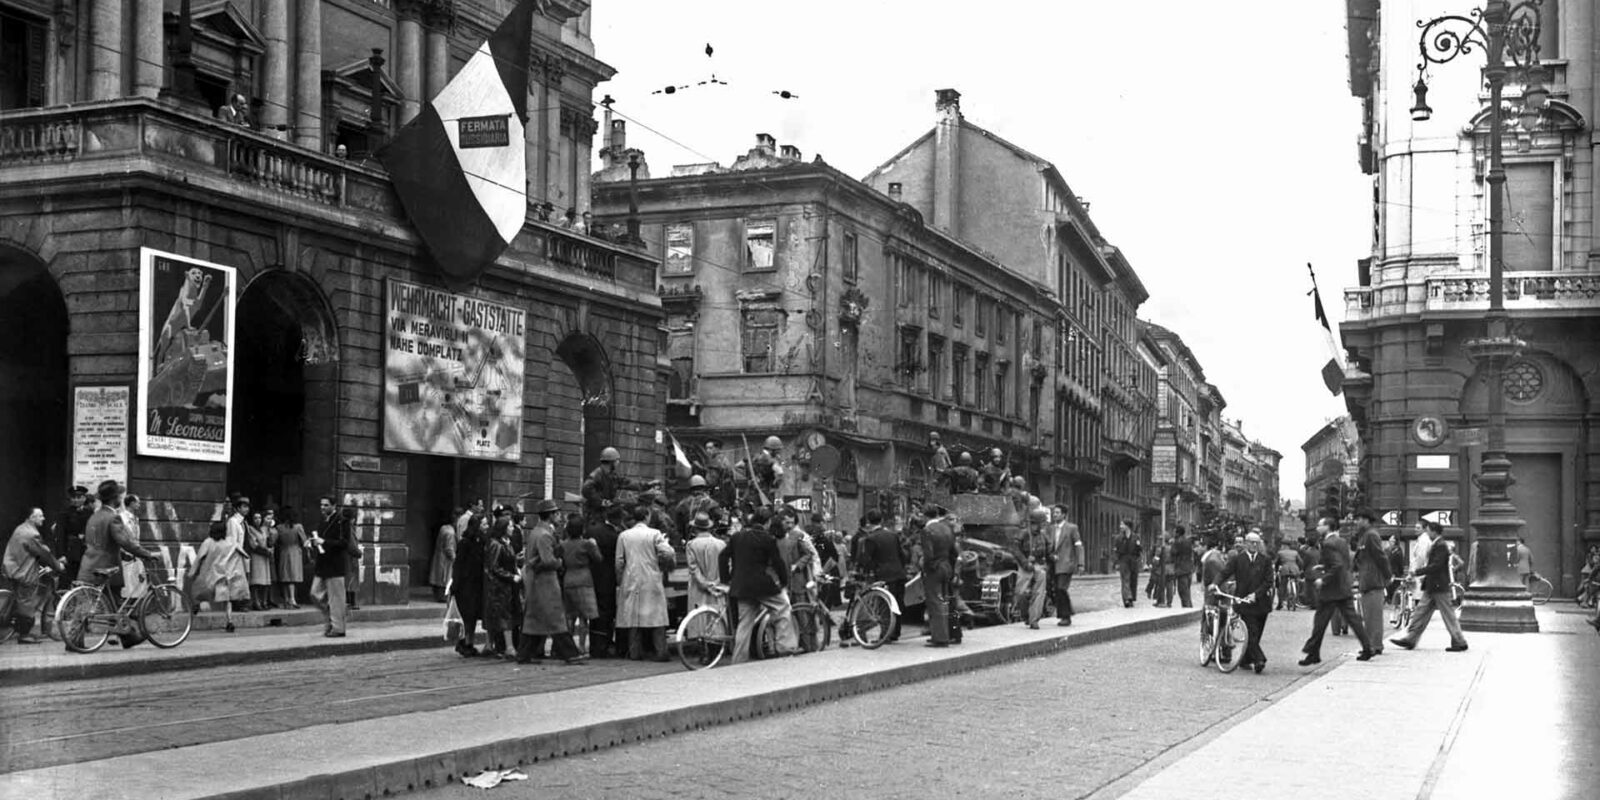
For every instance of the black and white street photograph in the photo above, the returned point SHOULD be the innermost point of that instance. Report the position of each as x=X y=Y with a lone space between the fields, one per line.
x=884 y=399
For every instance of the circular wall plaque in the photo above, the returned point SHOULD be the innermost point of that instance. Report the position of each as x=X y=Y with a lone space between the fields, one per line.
x=1429 y=430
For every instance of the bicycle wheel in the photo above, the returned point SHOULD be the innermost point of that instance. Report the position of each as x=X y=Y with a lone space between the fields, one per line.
x=703 y=639
x=1208 y=636
x=1233 y=638
x=872 y=619
x=809 y=627
x=85 y=618
x=8 y=602
x=164 y=616
x=1540 y=589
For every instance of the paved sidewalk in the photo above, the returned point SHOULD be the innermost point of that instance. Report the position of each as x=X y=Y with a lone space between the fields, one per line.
x=398 y=753
x=1517 y=715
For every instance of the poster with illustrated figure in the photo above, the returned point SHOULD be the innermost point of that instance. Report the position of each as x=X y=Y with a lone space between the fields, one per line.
x=186 y=309
x=453 y=368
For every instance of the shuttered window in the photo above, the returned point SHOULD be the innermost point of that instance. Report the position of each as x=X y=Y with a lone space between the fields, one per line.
x=22 y=60
x=1529 y=242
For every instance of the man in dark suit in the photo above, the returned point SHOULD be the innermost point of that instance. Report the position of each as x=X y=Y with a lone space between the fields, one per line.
x=1435 y=596
x=938 y=569
x=1372 y=574
x=1251 y=572
x=756 y=579
x=1182 y=567
x=1128 y=551
x=1333 y=594
x=881 y=559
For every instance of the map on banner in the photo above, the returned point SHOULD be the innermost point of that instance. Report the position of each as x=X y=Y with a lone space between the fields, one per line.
x=453 y=373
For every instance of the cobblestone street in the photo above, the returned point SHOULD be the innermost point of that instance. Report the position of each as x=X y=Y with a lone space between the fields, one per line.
x=1055 y=727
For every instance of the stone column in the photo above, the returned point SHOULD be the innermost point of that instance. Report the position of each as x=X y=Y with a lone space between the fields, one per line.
x=149 y=49
x=105 y=50
x=308 y=74
x=408 y=60
x=275 y=106
x=437 y=17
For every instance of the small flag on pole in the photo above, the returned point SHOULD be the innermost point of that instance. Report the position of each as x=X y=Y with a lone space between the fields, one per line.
x=1333 y=370
x=678 y=454
x=460 y=168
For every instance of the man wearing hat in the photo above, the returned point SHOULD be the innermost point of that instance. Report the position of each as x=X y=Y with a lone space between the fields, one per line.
x=703 y=551
x=105 y=539
x=66 y=538
x=1251 y=572
x=938 y=569
x=544 y=614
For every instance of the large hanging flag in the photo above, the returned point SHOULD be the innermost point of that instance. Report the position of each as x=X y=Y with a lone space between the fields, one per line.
x=678 y=455
x=1333 y=371
x=460 y=168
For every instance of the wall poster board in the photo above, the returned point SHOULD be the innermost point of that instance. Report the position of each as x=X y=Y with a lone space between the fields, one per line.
x=186 y=313
x=453 y=373
x=100 y=434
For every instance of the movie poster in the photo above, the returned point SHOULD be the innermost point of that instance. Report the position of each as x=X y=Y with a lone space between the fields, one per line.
x=453 y=370
x=186 y=309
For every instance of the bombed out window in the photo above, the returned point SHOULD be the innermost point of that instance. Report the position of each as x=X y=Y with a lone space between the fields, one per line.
x=759 y=339
x=760 y=241
x=680 y=249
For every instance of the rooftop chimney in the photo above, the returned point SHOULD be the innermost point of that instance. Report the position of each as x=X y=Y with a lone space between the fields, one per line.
x=617 y=139
x=766 y=143
x=947 y=161
x=790 y=151
x=895 y=190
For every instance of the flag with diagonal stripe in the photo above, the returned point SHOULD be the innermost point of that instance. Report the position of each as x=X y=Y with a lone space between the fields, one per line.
x=460 y=167
x=1333 y=370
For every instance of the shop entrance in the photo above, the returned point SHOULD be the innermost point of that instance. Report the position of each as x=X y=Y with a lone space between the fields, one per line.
x=35 y=420
x=282 y=452
x=435 y=487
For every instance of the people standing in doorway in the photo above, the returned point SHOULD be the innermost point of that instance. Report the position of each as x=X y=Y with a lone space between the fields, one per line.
x=256 y=529
x=444 y=558
x=1128 y=552
x=1333 y=595
x=239 y=538
x=1436 y=580
x=289 y=560
x=332 y=545
x=466 y=580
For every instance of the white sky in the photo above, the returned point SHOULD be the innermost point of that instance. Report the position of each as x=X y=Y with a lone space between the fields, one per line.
x=1215 y=142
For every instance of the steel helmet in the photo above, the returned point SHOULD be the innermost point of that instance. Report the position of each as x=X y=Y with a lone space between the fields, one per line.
x=965 y=458
x=610 y=454
x=697 y=482
x=1038 y=515
x=773 y=443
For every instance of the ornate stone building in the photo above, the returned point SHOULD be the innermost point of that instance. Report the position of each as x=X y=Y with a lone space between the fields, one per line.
x=107 y=151
x=1419 y=403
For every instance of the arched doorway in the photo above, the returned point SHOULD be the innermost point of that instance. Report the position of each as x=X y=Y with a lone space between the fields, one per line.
x=34 y=414
x=284 y=387
x=581 y=415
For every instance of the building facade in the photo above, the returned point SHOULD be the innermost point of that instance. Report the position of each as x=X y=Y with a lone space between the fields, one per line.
x=109 y=153
x=801 y=303
x=979 y=188
x=1333 y=470
x=1419 y=404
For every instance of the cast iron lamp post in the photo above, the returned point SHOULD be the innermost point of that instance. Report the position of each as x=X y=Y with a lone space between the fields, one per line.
x=1495 y=598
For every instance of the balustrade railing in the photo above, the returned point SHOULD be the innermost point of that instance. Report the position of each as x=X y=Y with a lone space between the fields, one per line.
x=1470 y=292
x=38 y=139
x=283 y=171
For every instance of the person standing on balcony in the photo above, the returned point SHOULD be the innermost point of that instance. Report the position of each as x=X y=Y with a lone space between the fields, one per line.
x=237 y=111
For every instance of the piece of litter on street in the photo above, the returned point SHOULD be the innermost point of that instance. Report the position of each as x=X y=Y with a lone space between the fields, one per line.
x=490 y=778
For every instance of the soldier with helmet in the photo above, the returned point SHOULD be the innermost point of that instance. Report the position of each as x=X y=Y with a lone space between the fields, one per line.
x=699 y=501
x=963 y=478
x=995 y=473
x=1032 y=551
x=718 y=474
x=600 y=488
x=766 y=469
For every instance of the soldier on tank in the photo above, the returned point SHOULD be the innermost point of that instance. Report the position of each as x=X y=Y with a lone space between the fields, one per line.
x=940 y=464
x=600 y=488
x=995 y=473
x=699 y=501
x=767 y=470
x=718 y=474
x=963 y=478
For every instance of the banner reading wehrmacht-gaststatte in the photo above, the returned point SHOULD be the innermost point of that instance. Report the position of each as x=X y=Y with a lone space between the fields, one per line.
x=453 y=371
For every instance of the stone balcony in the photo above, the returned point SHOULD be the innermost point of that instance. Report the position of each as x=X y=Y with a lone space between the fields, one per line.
x=1556 y=292
x=137 y=141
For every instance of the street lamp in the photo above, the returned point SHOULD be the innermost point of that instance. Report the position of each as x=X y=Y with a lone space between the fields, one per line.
x=1496 y=599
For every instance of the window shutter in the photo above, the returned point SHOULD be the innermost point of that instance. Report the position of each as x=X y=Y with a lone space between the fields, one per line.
x=35 y=57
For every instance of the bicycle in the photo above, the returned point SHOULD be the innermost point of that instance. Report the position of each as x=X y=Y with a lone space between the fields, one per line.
x=90 y=613
x=873 y=614
x=51 y=598
x=706 y=634
x=1405 y=603
x=813 y=625
x=1291 y=592
x=1539 y=588
x=1217 y=639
